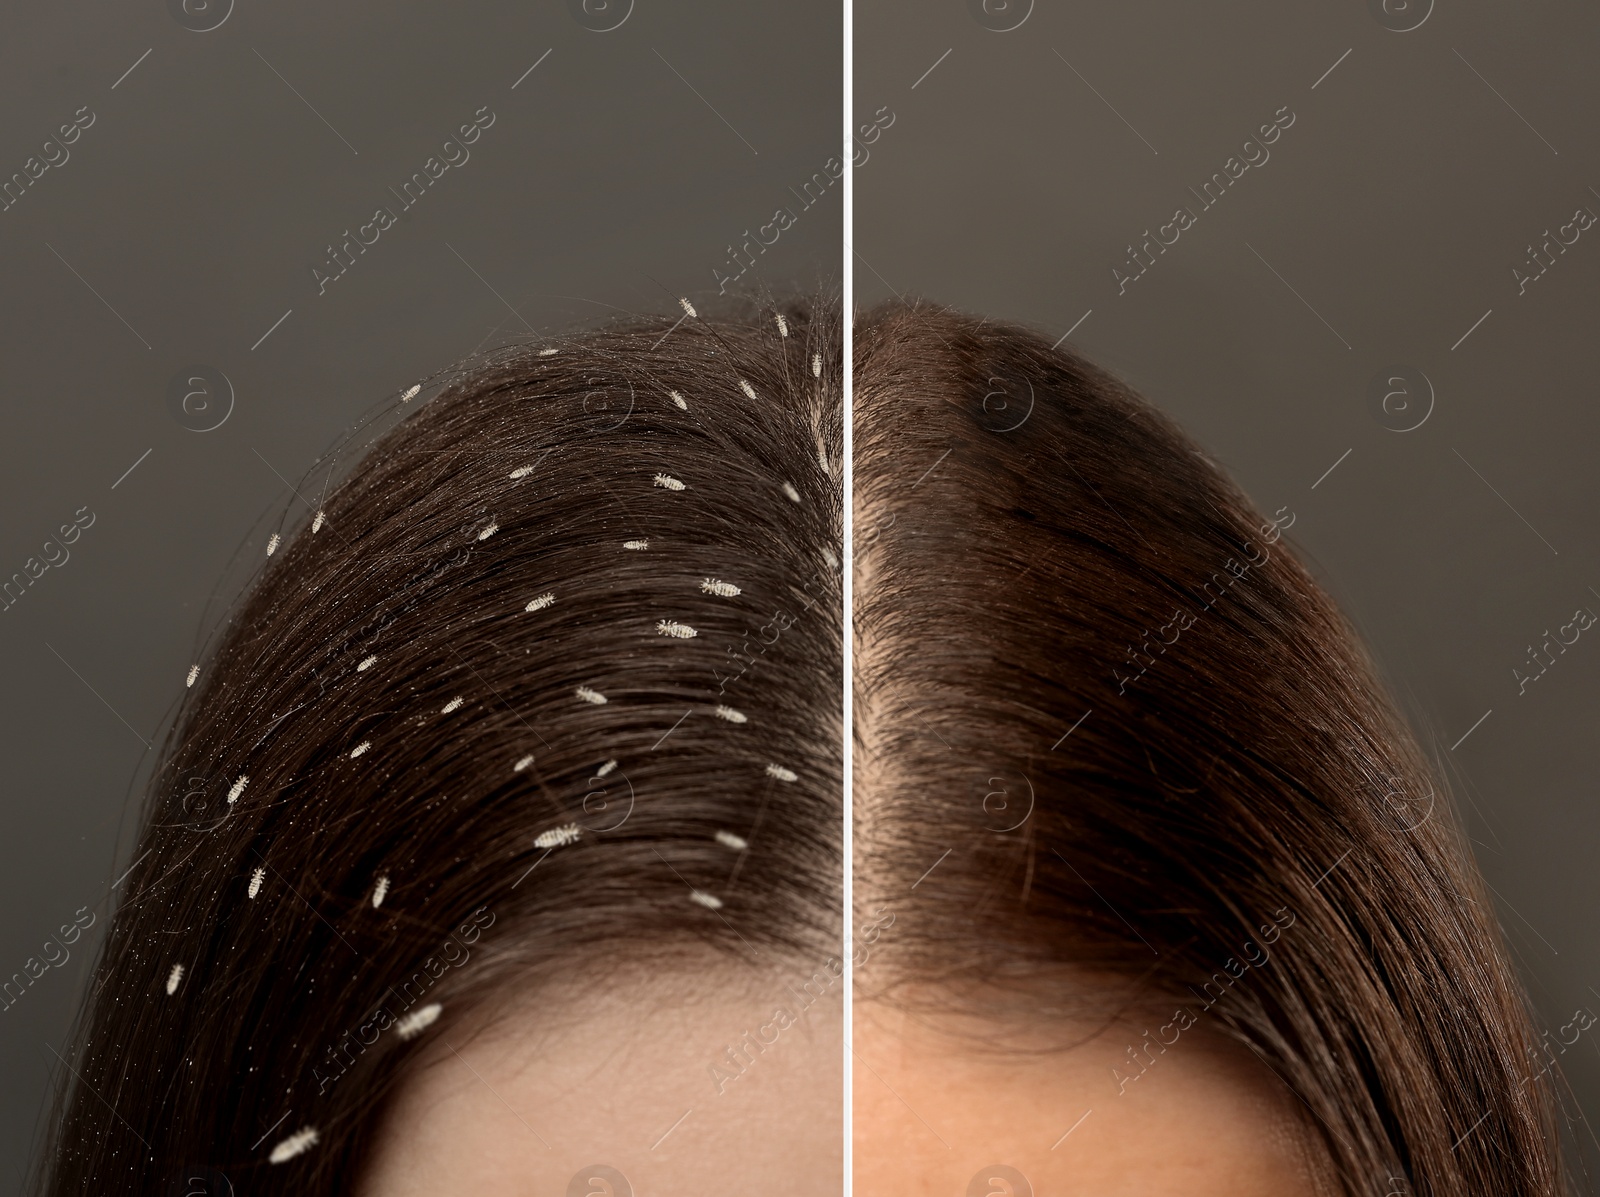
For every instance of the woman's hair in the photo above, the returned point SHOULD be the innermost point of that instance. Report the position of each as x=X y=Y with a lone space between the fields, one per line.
x=552 y=679
x=1105 y=720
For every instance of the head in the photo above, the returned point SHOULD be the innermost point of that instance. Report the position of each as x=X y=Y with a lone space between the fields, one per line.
x=1162 y=895
x=503 y=815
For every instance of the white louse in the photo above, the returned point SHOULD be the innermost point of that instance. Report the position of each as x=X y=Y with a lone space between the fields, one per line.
x=453 y=705
x=366 y=662
x=605 y=768
x=522 y=763
x=679 y=400
x=194 y=672
x=256 y=878
x=489 y=531
x=678 y=631
x=788 y=489
x=418 y=1021
x=827 y=555
x=411 y=393
x=360 y=748
x=668 y=482
x=637 y=546
x=540 y=603
x=301 y=1141
x=709 y=901
x=688 y=307
x=783 y=325
x=728 y=840
x=174 y=977
x=380 y=891
x=567 y=833
x=816 y=365
x=550 y=352
x=717 y=586
x=272 y=543
x=731 y=715
x=237 y=789
x=594 y=696
x=747 y=388
x=522 y=471
x=316 y=524
x=781 y=773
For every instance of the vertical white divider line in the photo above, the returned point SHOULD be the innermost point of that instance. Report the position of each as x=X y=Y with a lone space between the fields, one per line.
x=847 y=307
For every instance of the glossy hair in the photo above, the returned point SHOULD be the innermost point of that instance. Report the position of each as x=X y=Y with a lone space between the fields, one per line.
x=481 y=720
x=1106 y=720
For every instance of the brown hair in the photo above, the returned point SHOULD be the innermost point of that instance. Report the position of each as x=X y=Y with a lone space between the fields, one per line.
x=1105 y=717
x=485 y=711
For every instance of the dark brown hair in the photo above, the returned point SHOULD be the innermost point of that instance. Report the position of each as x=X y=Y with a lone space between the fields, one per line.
x=487 y=707
x=1105 y=718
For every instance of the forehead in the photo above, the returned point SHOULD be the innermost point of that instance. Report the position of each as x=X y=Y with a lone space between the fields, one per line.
x=704 y=1075
x=1146 y=1105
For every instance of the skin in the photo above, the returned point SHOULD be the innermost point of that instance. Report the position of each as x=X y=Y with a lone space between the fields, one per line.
x=935 y=1110
x=600 y=1073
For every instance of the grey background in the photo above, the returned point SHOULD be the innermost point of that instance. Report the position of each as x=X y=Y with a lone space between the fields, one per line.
x=185 y=224
x=1383 y=227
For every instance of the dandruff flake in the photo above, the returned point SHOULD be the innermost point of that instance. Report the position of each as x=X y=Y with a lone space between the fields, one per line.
x=301 y=1141
x=415 y=1023
x=567 y=833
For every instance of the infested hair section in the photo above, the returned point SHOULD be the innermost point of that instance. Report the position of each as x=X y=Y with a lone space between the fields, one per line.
x=1109 y=726
x=552 y=677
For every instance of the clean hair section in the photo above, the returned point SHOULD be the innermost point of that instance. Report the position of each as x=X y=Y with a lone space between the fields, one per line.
x=1109 y=725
